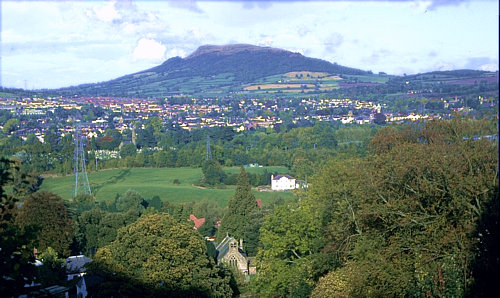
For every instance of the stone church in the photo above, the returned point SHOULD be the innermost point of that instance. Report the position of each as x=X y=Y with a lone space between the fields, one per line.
x=230 y=252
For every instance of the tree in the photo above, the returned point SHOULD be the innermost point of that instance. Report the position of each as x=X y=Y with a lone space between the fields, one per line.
x=48 y=212
x=212 y=172
x=131 y=200
x=10 y=125
x=379 y=118
x=241 y=209
x=128 y=150
x=16 y=258
x=51 y=272
x=98 y=228
x=165 y=256
x=290 y=237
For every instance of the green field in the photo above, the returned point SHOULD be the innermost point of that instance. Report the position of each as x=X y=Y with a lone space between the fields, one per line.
x=149 y=182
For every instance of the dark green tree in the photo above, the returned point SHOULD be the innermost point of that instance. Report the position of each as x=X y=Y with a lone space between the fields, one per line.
x=212 y=172
x=16 y=258
x=48 y=212
x=241 y=217
x=128 y=150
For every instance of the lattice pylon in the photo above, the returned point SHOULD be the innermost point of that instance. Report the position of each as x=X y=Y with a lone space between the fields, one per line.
x=81 y=185
x=209 y=152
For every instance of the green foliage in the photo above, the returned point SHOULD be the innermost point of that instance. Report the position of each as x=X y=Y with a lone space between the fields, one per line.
x=16 y=257
x=130 y=201
x=406 y=218
x=10 y=125
x=51 y=272
x=242 y=218
x=409 y=219
x=166 y=256
x=212 y=172
x=128 y=150
x=97 y=228
x=48 y=212
x=290 y=236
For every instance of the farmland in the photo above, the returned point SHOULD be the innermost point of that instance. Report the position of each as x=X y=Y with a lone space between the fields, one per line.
x=149 y=182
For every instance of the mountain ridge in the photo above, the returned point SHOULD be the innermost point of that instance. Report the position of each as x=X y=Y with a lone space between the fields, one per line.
x=239 y=64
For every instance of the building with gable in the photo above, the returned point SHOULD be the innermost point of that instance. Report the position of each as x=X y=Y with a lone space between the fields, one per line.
x=283 y=182
x=198 y=222
x=230 y=252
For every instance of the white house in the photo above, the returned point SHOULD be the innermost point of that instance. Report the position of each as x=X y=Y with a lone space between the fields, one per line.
x=283 y=182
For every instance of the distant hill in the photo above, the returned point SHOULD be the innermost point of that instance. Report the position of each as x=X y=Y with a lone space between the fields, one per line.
x=211 y=69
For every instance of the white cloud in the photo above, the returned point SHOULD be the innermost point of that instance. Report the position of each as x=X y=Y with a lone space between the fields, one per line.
x=107 y=13
x=149 y=49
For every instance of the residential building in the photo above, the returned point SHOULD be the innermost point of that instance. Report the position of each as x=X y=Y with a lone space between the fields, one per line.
x=283 y=182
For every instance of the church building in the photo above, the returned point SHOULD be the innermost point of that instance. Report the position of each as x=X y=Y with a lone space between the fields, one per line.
x=230 y=252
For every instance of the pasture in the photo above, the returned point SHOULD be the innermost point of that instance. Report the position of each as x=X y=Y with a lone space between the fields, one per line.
x=149 y=182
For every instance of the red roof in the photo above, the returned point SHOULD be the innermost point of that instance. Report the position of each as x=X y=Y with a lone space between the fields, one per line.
x=198 y=222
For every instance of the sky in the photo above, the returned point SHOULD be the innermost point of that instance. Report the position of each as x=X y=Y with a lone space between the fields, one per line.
x=65 y=43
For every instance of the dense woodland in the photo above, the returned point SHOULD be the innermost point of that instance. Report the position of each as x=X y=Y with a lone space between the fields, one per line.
x=400 y=210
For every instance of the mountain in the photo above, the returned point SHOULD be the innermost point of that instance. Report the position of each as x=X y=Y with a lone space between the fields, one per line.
x=211 y=69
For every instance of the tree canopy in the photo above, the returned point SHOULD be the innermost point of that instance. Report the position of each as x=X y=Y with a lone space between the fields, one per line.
x=49 y=213
x=166 y=256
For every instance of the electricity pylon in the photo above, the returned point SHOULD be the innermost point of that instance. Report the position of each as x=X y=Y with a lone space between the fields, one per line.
x=81 y=181
x=209 y=152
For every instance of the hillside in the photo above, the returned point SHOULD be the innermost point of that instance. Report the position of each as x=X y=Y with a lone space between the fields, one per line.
x=210 y=70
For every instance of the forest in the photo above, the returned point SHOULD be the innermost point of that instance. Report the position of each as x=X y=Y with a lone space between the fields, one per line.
x=393 y=210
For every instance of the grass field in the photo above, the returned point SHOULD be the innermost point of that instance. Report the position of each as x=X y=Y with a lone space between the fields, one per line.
x=157 y=181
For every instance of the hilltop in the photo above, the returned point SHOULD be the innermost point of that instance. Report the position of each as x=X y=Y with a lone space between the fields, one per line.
x=211 y=69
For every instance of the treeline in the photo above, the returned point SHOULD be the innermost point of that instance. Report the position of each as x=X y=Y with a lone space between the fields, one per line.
x=166 y=145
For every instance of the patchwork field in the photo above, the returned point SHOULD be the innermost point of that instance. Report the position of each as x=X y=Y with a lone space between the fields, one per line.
x=157 y=181
x=277 y=86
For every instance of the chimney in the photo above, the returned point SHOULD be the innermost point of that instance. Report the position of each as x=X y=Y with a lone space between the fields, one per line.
x=241 y=244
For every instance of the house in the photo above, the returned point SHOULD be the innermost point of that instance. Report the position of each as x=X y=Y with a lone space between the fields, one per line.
x=75 y=268
x=230 y=252
x=198 y=222
x=283 y=182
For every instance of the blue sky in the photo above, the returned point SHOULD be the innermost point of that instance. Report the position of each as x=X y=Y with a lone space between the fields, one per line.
x=64 y=43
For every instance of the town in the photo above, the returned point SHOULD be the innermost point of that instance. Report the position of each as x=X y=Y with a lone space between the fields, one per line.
x=195 y=113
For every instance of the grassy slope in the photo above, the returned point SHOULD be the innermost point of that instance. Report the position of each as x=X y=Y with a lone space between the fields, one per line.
x=152 y=181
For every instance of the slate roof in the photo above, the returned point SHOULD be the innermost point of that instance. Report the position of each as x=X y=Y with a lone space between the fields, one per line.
x=75 y=264
x=278 y=177
x=223 y=247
